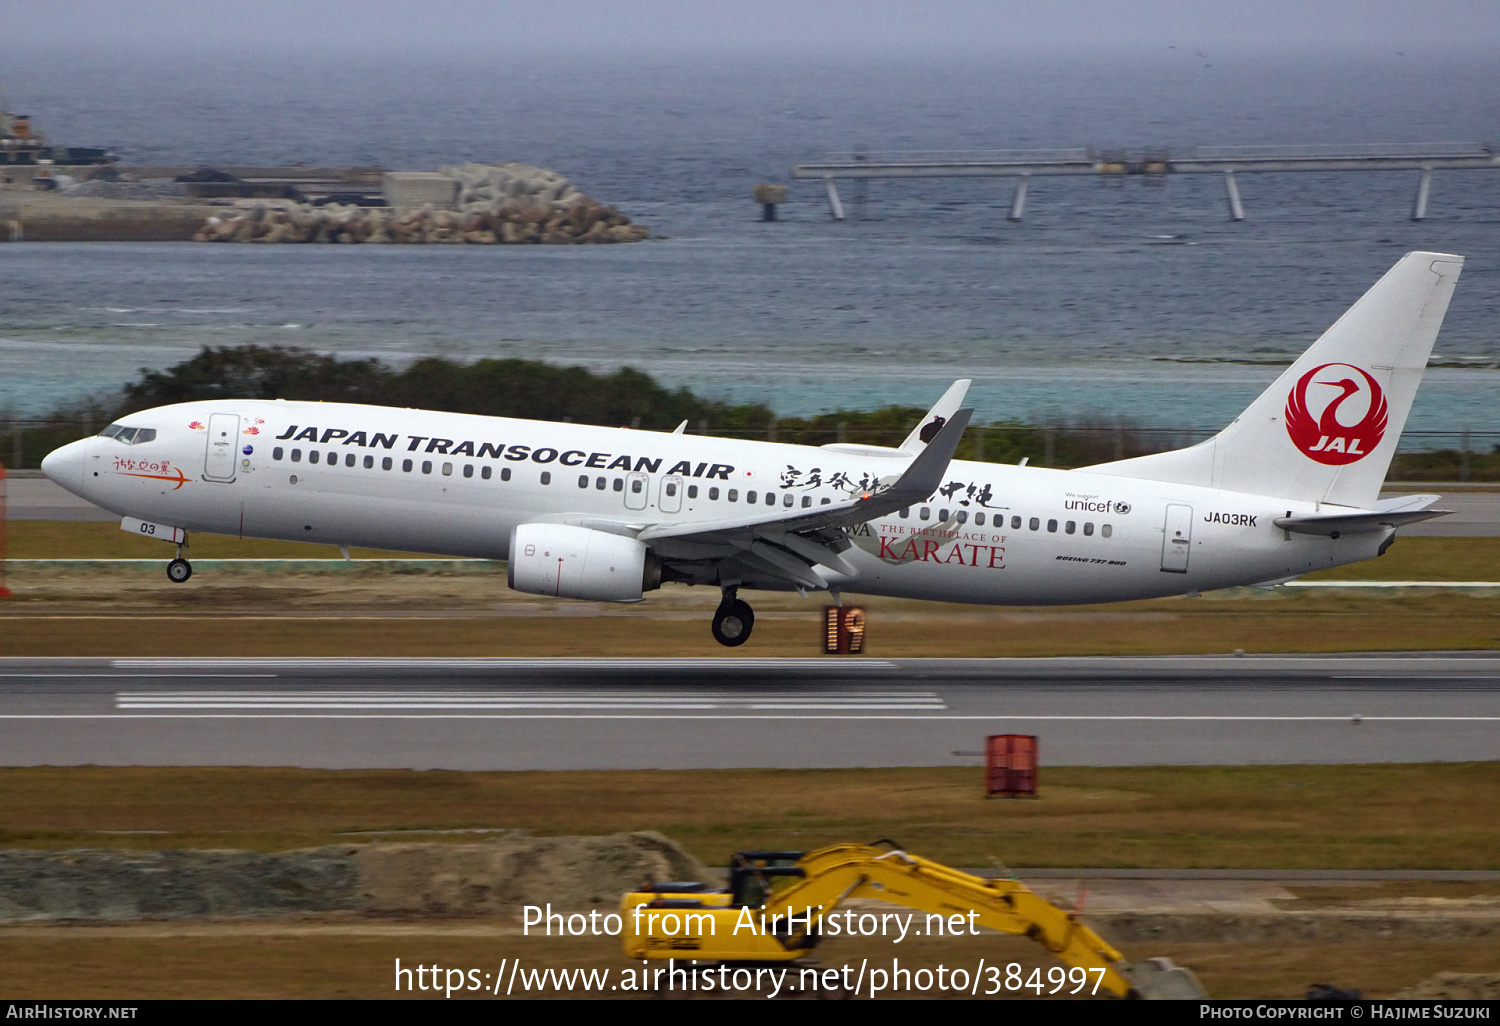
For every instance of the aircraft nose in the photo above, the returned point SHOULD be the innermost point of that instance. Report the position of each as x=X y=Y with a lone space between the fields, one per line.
x=65 y=466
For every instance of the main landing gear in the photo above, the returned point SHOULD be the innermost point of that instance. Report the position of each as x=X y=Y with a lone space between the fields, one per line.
x=180 y=569
x=733 y=620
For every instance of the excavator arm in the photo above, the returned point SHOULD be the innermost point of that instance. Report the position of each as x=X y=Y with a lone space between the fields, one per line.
x=777 y=903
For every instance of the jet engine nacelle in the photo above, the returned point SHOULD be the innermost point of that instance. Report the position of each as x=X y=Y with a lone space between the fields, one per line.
x=581 y=563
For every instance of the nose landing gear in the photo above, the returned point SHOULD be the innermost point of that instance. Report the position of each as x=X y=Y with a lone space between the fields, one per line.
x=180 y=569
x=733 y=620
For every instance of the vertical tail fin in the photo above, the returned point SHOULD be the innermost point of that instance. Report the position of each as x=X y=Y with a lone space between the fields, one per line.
x=1328 y=427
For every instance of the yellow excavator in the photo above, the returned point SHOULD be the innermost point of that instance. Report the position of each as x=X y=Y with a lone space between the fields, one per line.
x=780 y=904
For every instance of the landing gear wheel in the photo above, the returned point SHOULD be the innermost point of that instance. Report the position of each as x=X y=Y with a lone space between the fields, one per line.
x=733 y=623
x=179 y=570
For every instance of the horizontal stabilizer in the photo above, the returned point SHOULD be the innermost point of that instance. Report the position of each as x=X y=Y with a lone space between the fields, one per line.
x=1334 y=524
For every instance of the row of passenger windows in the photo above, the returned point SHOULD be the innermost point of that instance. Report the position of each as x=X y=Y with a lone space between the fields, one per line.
x=1034 y=523
x=386 y=463
x=731 y=494
x=599 y=483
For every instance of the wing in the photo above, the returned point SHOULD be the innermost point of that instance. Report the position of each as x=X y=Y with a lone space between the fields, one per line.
x=787 y=546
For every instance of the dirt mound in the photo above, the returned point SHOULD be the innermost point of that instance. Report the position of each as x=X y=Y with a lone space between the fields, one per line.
x=1456 y=987
x=572 y=873
x=491 y=878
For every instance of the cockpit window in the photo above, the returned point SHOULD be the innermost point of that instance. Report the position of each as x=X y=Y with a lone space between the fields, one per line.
x=129 y=435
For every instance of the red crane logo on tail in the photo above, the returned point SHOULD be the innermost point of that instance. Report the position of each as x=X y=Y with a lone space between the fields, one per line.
x=1336 y=414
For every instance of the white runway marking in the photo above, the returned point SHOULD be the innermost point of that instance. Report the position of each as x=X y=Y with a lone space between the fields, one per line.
x=590 y=701
x=149 y=676
x=551 y=663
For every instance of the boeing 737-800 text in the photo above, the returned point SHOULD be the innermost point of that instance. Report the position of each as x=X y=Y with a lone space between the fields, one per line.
x=607 y=514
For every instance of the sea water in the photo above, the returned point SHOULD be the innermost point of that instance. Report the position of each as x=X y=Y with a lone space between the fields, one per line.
x=1112 y=299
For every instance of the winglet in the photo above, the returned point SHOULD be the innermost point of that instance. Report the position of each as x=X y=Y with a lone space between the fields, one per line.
x=924 y=433
x=923 y=477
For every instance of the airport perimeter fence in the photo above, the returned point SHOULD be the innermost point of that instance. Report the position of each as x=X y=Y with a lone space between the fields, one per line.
x=1462 y=456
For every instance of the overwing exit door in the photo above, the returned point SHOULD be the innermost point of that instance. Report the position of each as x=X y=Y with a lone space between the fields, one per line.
x=670 y=500
x=1177 y=539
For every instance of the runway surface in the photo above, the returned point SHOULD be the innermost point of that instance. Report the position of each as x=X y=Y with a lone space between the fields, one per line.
x=723 y=713
x=1475 y=514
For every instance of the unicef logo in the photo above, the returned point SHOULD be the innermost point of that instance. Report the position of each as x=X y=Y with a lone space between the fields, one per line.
x=1122 y=508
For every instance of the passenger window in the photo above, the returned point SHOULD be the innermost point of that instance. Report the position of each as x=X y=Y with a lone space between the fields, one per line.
x=277 y=452
x=734 y=495
x=406 y=466
x=635 y=487
x=485 y=472
x=312 y=455
x=962 y=516
x=1106 y=530
x=426 y=466
x=447 y=470
x=942 y=516
x=924 y=513
x=619 y=484
x=385 y=464
x=692 y=491
x=348 y=459
x=546 y=477
x=369 y=462
x=583 y=480
x=1088 y=529
x=1035 y=524
x=600 y=484
x=906 y=513
x=1070 y=527
x=806 y=501
x=671 y=488
x=505 y=473
x=1015 y=524
x=713 y=494
x=333 y=459
x=1052 y=527
x=752 y=497
x=825 y=502
x=978 y=519
x=771 y=498
x=468 y=470
x=788 y=498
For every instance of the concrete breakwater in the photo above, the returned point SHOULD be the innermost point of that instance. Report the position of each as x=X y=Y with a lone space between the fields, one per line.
x=477 y=203
x=494 y=877
x=472 y=203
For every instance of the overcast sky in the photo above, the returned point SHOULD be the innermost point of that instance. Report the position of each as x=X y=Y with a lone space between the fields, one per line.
x=832 y=26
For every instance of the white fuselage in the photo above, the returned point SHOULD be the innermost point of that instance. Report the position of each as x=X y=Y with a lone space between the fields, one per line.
x=457 y=484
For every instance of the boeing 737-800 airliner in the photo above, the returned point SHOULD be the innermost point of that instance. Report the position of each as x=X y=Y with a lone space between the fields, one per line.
x=608 y=514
